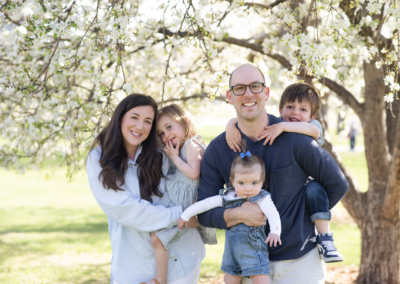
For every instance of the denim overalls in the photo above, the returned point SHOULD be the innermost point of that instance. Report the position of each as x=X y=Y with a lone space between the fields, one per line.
x=245 y=252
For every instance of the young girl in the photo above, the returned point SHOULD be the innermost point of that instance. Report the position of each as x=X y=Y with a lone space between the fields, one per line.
x=245 y=253
x=185 y=148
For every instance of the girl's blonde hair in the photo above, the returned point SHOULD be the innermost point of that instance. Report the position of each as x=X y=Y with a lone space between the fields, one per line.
x=177 y=114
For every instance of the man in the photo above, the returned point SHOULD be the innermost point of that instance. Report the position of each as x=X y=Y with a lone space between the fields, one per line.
x=289 y=161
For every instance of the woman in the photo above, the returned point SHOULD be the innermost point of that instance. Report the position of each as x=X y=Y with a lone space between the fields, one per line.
x=126 y=175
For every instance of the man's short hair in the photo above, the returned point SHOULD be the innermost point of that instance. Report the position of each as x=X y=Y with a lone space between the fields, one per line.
x=230 y=77
x=300 y=92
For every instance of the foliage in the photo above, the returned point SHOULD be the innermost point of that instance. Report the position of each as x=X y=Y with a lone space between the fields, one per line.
x=65 y=64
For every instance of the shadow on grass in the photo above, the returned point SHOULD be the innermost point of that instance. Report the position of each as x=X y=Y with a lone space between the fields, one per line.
x=48 y=219
x=50 y=227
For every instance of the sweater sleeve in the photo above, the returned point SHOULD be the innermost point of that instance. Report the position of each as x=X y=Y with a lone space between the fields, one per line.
x=202 y=206
x=124 y=208
x=211 y=181
x=272 y=214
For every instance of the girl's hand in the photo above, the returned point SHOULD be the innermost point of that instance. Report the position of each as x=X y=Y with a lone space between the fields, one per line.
x=273 y=239
x=233 y=136
x=182 y=223
x=170 y=150
x=270 y=133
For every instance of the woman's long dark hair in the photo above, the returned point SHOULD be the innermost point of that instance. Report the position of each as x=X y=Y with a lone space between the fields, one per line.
x=114 y=157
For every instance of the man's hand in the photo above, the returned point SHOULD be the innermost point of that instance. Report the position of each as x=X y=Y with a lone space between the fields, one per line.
x=249 y=214
x=273 y=239
x=193 y=222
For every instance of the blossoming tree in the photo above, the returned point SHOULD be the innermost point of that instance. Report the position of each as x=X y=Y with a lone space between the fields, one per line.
x=65 y=64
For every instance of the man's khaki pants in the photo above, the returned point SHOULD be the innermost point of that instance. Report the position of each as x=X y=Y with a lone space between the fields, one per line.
x=308 y=269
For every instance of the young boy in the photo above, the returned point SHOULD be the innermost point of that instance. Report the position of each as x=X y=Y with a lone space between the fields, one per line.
x=300 y=103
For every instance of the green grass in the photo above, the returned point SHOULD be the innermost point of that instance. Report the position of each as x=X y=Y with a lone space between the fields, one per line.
x=208 y=133
x=53 y=231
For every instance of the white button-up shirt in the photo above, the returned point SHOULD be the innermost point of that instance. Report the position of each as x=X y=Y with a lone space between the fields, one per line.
x=130 y=221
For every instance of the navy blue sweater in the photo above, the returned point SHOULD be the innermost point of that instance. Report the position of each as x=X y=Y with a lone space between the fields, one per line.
x=288 y=161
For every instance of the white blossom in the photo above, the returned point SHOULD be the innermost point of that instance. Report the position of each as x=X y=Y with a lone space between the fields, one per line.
x=389 y=98
x=389 y=79
x=378 y=64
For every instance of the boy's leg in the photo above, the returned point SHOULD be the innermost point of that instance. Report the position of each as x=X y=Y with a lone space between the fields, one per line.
x=230 y=279
x=260 y=279
x=317 y=205
x=161 y=256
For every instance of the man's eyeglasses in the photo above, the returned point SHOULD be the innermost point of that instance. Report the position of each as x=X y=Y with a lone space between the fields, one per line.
x=255 y=88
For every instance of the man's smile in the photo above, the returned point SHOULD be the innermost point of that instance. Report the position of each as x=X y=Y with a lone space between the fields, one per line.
x=249 y=104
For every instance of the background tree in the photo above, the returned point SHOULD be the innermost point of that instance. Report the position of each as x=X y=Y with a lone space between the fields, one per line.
x=64 y=65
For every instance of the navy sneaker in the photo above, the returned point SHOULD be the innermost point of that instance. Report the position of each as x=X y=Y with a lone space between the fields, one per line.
x=327 y=249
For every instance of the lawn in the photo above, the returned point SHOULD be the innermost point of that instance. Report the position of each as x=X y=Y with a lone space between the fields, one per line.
x=53 y=231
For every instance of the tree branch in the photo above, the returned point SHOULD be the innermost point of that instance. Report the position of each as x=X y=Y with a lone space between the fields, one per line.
x=184 y=99
x=267 y=7
x=344 y=95
x=48 y=62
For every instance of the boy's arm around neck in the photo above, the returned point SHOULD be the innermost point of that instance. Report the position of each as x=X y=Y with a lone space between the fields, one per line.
x=302 y=128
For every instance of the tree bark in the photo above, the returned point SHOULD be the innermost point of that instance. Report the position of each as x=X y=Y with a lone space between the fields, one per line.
x=379 y=248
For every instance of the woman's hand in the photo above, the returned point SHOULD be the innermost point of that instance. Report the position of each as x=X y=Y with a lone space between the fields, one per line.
x=182 y=223
x=273 y=239
x=170 y=150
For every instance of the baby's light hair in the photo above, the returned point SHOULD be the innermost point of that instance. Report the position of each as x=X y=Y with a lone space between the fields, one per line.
x=247 y=162
x=177 y=114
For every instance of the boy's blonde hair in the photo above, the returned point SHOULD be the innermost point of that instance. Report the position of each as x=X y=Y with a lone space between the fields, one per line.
x=300 y=92
x=247 y=162
x=177 y=114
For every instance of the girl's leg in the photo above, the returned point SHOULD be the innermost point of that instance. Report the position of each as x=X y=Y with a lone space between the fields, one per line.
x=161 y=255
x=230 y=279
x=260 y=279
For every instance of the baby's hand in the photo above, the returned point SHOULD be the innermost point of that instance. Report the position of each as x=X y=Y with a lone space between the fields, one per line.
x=273 y=238
x=182 y=223
x=270 y=133
x=233 y=136
x=170 y=150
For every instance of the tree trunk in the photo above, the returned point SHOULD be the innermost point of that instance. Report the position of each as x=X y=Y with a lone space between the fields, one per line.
x=379 y=249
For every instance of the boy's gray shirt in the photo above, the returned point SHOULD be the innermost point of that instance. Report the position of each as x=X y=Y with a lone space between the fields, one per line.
x=289 y=161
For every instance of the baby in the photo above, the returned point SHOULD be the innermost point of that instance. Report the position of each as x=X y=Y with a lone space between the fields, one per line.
x=246 y=254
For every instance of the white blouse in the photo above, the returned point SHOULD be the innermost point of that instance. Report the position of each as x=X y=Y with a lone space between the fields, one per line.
x=130 y=221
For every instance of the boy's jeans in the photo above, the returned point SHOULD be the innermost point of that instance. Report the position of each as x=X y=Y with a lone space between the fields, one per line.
x=317 y=203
